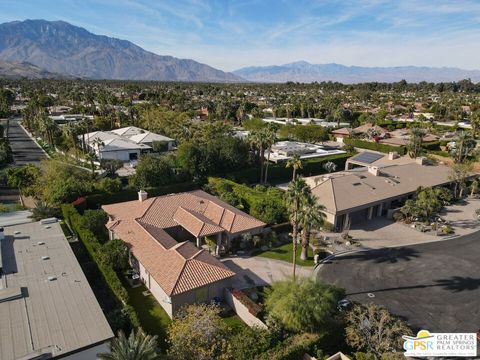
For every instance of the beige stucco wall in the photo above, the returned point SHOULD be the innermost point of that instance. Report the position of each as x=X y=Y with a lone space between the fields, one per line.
x=242 y=311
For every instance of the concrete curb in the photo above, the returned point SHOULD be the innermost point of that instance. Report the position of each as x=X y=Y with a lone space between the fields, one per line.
x=33 y=139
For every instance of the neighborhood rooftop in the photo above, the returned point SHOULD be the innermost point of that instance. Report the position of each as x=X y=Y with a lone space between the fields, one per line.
x=355 y=188
x=46 y=304
x=177 y=266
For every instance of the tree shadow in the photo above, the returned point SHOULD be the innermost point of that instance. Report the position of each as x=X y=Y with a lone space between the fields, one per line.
x=454 y=284
x=391 y=255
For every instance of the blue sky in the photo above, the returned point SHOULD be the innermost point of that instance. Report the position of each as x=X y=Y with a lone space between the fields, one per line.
x=232 y=34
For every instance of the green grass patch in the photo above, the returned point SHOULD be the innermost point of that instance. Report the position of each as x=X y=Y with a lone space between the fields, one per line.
x=153 y=319
x=233 y=322
x=285 y=253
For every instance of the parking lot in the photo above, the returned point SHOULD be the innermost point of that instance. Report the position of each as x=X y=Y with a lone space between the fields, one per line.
x=434 y=286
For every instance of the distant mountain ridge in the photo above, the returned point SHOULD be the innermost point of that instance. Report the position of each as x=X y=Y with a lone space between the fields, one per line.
x=60 y=47
x=25 y=70
x=303 y=71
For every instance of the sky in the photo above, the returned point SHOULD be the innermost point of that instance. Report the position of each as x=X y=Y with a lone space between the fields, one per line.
x=230 y=34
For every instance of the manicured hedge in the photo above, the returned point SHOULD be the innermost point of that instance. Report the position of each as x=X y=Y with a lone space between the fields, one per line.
x=94 y=248
x=94 y=201
x=432 y=146
x=370 y=145
x=278 y=172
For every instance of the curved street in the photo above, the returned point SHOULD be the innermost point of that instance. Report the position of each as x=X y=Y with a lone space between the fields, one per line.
x=433 y=286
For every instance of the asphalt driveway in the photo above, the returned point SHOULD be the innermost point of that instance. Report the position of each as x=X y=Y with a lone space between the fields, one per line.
x=433 y=286
x=25 y=150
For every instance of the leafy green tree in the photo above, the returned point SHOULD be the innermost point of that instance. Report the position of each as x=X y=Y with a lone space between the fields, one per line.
x=249 y=343
x=95 y=220
x=115 y=253
x=198 y=333
x=109 y=185
x=303 y=305
x=6 y=156
x=152 y=171
x=458 y=175
x=138 y=346
x=60 y=182
x=6 y=101
x=23 y=178
x=373 y=329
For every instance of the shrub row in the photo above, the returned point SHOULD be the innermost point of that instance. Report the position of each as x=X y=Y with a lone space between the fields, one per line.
x=432 y=146
x=370 y=145
x=94 y=249
x=278 y=172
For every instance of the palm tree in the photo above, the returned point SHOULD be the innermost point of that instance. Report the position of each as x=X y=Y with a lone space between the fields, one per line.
x=270 y=138
x=258 y=140
x=91 y=157
x=138 y=346
x=311 y=216
x=297 y=192
x=475 y=122
x=415 y=144
x=296 y=163
x=474 y=187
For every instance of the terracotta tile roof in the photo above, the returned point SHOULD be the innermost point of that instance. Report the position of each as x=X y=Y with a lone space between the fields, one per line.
x=178 y=269
x=196 y=223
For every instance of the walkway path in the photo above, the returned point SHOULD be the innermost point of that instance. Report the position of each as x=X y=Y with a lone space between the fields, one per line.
x=261 y=271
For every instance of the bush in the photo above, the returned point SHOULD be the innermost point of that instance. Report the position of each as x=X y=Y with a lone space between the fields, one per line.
x=95 y=250
x=375 y=146
x=293 y=348
x=398 y=216
x=265 y=204
x=109 y=185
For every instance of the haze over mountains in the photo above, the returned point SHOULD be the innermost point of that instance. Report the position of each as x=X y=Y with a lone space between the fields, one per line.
x=57 y=49
x=60 y=47
x=303 y=71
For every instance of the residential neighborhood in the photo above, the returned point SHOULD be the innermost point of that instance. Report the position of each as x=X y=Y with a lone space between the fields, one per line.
x=170 y=189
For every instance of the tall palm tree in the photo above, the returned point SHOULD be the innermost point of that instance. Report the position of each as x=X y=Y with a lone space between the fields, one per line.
x=138 y=346
x=296 y=195
x=270 y=138
x=296 y=163
x=311 y=217
x=258 y=140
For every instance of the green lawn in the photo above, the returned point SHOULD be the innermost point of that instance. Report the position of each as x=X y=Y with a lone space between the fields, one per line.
x=233 y=322
x=285 y=253
x=153 y=318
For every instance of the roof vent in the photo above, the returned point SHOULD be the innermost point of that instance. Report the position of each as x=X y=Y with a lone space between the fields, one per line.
x=40 y=243
x=45 y=257
x=52 y=278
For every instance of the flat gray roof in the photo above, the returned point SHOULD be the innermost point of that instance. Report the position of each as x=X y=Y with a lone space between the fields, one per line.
x=38 y=315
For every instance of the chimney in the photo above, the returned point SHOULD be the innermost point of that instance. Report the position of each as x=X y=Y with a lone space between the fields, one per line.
x=142 y=195
x=393 y=155
x=375 y=171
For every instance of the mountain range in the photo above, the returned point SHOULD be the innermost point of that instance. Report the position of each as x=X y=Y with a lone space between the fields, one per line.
x=19 y=70
x=59 y=47
x=303 y=71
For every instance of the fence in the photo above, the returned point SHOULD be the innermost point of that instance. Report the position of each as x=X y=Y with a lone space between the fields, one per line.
x=242 y=311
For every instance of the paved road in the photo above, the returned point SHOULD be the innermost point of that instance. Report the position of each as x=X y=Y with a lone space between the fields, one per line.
x=25 y=151
x=435 y=286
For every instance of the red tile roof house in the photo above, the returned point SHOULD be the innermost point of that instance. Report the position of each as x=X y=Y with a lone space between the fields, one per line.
x=178 y=272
